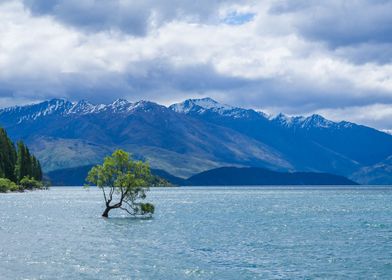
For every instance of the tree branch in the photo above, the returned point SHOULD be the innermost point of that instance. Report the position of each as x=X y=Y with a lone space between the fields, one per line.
x=104 y=194
x=130 y=213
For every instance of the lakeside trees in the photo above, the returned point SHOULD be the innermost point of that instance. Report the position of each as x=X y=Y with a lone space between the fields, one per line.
x=17 y=166
x=124 y=183
x=27 y=164
x=7 y=156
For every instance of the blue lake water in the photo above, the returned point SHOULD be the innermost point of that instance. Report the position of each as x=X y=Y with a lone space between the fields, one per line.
x=200 y=233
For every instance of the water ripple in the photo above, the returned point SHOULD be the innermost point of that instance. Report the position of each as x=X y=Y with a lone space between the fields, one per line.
x=200 y=233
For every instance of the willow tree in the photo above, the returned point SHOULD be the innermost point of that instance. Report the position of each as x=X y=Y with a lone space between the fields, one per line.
x=124 y=183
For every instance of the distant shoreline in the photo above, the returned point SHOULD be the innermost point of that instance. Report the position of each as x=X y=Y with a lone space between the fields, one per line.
x=265 y=187
x=223 y=176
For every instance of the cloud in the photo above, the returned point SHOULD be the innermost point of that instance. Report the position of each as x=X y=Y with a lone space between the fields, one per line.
x=359 y=31
x=380 y=53
x=129 y=16
x=340 y=23
x=255 y=54
x=376 y=115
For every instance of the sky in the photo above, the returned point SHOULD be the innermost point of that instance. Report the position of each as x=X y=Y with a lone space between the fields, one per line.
x=297 y=57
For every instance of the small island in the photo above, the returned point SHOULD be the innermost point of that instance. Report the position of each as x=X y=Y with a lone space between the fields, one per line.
x=19 y=169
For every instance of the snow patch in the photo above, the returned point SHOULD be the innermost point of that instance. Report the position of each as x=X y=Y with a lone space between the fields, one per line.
x=387 y=131
x=206 y=105
x=303 y=122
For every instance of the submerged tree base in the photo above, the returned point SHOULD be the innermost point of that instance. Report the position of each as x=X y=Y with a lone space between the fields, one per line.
x=143 y=210
x=105 y=213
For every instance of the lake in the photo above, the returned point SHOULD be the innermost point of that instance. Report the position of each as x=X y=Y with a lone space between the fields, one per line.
x=200 y=233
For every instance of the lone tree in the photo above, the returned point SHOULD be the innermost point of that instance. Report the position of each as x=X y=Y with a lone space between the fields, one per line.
x=124 y=183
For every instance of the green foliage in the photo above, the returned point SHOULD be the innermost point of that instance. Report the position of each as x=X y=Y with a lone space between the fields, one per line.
x=7 y=185
x=36 y=169
x=29 y=183
x=157 y=181
x=123 y=179
x=7 y=156
x=26 y=164
x=19 y=164
x=26 y=183
x=147 y=208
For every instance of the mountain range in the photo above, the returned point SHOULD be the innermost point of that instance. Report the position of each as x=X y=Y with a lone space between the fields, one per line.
x=197 y=135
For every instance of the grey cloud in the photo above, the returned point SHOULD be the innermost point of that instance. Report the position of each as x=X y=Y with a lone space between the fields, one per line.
x=359 y=54
x=159 y=81
x=132 y=16
x=162 y=82
x=340 y=23
x=95 y=15
x=199 y=77
x=299 y=97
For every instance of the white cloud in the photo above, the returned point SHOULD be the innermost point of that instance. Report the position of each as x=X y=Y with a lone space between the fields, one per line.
x=262 y=62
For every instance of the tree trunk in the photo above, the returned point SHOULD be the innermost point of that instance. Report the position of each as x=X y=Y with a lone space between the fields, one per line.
x=105 y=213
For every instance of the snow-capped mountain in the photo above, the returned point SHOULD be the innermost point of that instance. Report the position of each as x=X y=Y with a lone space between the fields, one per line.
x=62 y=107
x=313 y=121
x=201 y=106
x=307 y=141
x=192 y=136
x=82 y=107
x=18 y=114
x=207 y=105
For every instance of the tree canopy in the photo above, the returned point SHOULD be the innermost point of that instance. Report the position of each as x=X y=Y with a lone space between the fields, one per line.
x=27 y=164
x=7 y=156
x=124 y=183
x=17 y=164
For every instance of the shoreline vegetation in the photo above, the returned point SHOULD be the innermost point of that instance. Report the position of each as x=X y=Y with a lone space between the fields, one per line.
x=26 y=184
x=19 y=169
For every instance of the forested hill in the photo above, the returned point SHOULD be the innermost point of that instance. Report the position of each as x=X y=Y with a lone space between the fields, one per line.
x=234 y=176
x=224 y=176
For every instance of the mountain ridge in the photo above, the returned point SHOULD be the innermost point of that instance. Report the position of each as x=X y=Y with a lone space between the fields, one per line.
x=64 y=106
x=195 y=135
